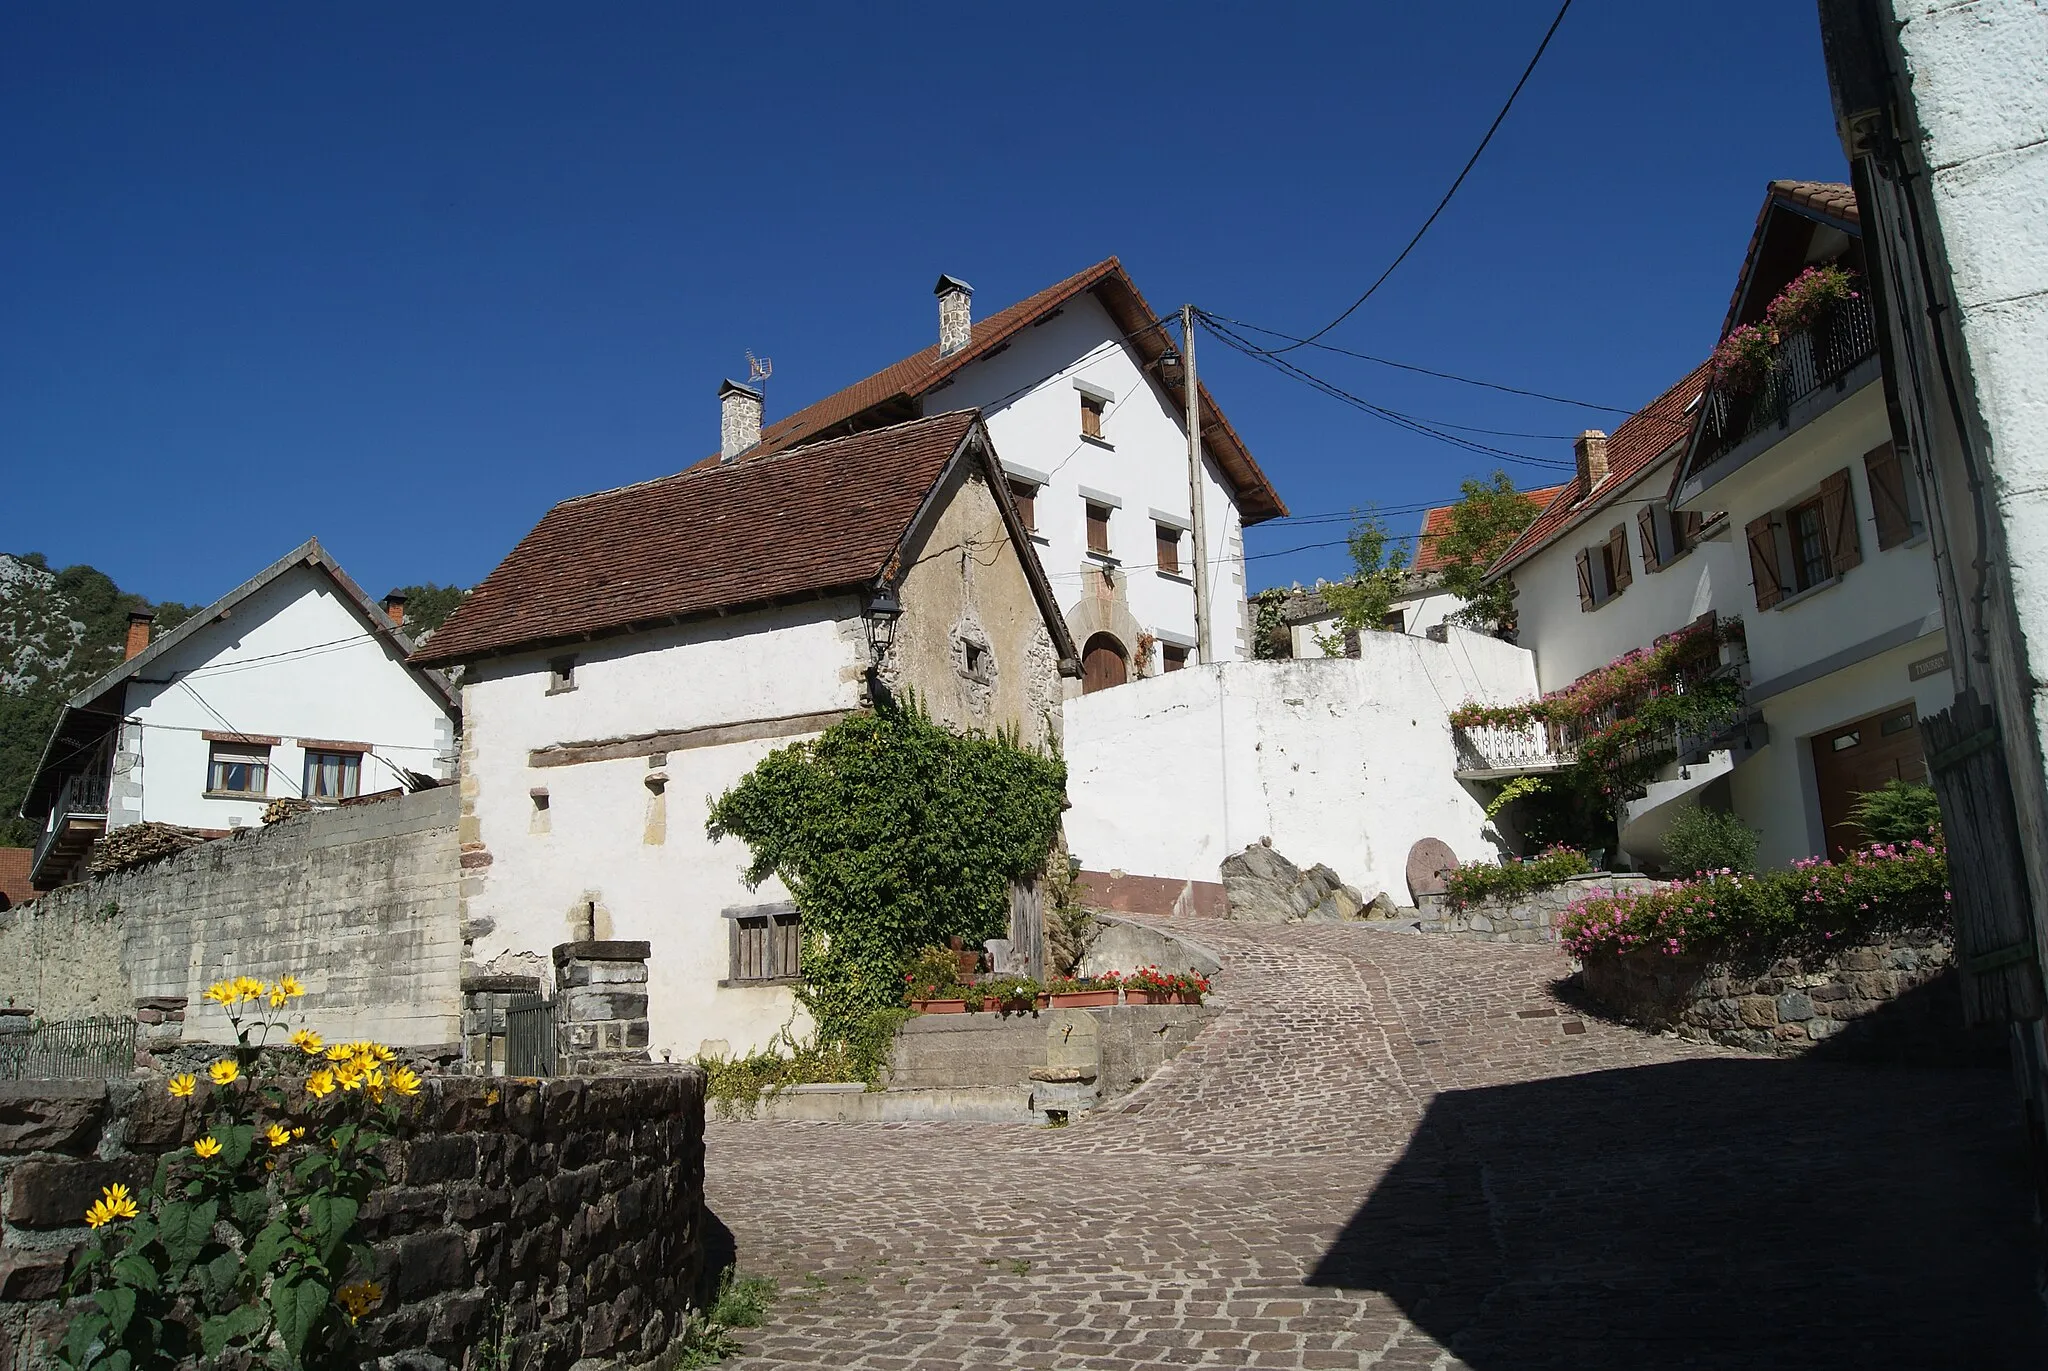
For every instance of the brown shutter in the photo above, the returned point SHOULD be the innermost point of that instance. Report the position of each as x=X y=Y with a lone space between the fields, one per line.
x=1838 y=518
x=1585 y=560
x=1646 y=529
x=1617 y=540
x=1888 y=495
x=1689 y=529
x=1763 y=562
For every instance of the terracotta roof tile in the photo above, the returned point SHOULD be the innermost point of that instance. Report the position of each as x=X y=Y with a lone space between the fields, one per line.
x=1437 y=522
x=1643 y=437
x=813 y=518
x=1830 y=199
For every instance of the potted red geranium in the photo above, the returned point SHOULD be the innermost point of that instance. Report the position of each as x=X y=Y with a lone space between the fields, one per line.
x=1090 y=992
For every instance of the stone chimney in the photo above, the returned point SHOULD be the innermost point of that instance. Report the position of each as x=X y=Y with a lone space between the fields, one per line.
x=139 y=622
x=956 y=314
x=739 y=419
x=1591 y=447
x=394 y=609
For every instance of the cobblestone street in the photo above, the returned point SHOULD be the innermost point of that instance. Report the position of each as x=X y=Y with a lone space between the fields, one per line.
x=1399 y=1151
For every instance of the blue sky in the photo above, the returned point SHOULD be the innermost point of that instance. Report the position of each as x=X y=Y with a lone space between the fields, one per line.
x=403 y=276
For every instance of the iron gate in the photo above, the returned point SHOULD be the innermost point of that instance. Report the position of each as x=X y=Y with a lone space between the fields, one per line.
x=530 y=1036
x=79 y=1049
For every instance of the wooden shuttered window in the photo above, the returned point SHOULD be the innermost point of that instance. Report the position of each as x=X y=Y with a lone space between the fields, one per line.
x=1585 y=563
x=1888 y=503
x=1686 y=531
x=1646 y=533
x=1765 y=571
x=1169 y=547
x=1024 y=495
x=1838 y=514
x=1098 y=528
x=767 y=945
x=1618 y=572
x=1091 y=415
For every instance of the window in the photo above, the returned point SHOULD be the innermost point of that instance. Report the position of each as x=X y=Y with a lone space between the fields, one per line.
x=333 y=775
x=1891 y=499
x=1603 y=569
x=1805 y=545
x=1809 y=544
x=1025 y=496
x=561 y=675
x=1092 y=407
x=1169 y=548
x=1173 y=657
x=766 y=944
x=1394 y=621
x=238 y=769
x=1665 y=535
x=1098 y=528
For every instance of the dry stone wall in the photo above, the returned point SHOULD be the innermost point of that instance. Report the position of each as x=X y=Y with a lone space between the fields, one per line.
x=567 y=1213
x=1530 y=918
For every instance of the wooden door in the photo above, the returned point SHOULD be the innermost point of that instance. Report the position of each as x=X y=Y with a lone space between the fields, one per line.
x=1103 y=664
x=1852 y=758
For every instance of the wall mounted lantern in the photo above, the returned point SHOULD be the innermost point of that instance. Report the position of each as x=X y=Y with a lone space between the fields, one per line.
x=884 y=612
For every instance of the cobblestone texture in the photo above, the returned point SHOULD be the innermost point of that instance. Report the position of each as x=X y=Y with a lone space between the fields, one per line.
x=1396 y=1151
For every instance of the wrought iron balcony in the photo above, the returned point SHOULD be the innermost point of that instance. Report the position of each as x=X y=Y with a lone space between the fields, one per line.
x=1488 y=751
x=76 y=819
x=1803 y=364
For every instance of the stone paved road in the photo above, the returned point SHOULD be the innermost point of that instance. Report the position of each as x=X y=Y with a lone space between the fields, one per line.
x=1397 y=1151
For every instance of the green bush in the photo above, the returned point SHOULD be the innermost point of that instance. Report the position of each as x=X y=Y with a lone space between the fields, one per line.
x=1897 y=812
x=1709 y=840
x=859 y=1055
x=1511 y=880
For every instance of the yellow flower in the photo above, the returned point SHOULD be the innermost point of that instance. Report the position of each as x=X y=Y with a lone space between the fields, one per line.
x=223 y=993
x=113 y=1203
x=373 y=1081
x=320 y=1084
x=182 y=1085
x=360 y=1298
x=341 y=1052
x=298 y=1133
x=207 y=1147
x=491 y=1096
x=224 y=1072
x=249 y=988
x=349 y=1076
x=405 y=1081
x=288 y=984
x=308 y=1042
x=277 y=998
x=276 y=1135
x=377 y=1050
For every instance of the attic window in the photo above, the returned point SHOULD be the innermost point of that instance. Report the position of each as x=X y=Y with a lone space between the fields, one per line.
x=561 y=675
x=1024 y=495
x=1092 y=407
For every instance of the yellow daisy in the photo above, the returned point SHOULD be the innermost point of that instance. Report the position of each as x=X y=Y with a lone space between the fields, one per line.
x=289 y=985
x=308 y=1042
x=405 y=1081
x=277 y=1135
x=320 y=1084
x=182 y=1085
x=114 y=1203
x=207 y=1147
x=360 y=1298
x=224 y=1072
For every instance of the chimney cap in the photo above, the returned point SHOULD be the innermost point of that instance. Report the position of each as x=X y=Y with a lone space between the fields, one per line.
x=141 y=616
x=1592 y=433
x=396 y=597
x=948 y=284
x=732 y=387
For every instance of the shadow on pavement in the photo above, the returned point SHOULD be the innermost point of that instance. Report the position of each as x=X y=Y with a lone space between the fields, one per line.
x=1714 y=1213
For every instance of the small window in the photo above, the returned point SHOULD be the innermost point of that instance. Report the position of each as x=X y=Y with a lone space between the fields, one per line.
x=238 y=769
x=1098 y=528
x=1173 y=657
x=766 y=946
x=1394 y=621
x=1092 y=407
x=1809 y=544
x=333 y=775
x=1025 y=496
x=1169 y=548
x=561 y=675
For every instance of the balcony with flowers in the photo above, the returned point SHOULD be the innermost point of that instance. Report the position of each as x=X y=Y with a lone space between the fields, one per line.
x=1813 y=335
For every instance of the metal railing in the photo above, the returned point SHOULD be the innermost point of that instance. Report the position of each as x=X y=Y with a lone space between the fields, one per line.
x=1803 y=363
x=82 y=796
x=530 y=1033
x=79 y=1049
x=1534 y=746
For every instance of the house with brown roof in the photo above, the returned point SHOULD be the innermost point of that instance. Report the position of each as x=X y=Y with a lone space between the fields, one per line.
x=643 y=649
x=1082 y=389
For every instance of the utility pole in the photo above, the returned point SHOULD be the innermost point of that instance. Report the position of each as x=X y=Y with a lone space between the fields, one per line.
x=1195 y=501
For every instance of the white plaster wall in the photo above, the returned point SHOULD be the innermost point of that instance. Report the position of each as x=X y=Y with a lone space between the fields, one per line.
x=295 y=660
x=1774 y=790
x=1033 y=414
x=776 y=663
x=1569 y=641
x=1421 y=614
x=1348 y=762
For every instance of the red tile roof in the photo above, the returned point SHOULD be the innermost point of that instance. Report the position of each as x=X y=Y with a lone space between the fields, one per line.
x=896 y=392
x=1437 y=522
x=825 y=517
x=1825 y=199
x=14 y=868
x=1643 y=437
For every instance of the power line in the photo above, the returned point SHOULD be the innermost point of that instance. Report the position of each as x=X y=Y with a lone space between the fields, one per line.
x=1470 y=162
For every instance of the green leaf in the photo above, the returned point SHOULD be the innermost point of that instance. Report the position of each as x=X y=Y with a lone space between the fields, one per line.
x=249 y=1207
x=331 y=1217
x=235 y=1140
x=269 y=1241
x=85 y=1339
x=216 y=1333
x=118 y=1303
x=120 y=1360
x=184 y=1230
x=134 y=1270
x=299 y=1306
x=219 y=1279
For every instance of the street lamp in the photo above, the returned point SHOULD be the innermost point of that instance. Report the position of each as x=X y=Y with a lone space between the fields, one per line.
x=884 y=611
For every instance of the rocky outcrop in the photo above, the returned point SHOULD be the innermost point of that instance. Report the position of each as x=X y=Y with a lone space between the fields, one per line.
x=1262 y=887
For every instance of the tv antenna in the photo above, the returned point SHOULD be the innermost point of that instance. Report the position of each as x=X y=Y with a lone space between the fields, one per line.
x=759 y=369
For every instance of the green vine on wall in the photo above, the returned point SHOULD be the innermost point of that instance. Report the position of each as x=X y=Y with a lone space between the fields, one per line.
x=892 y=833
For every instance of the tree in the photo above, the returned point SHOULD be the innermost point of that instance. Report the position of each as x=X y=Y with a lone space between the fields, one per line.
x=1365 y=598
x=1488 y=517
x=428 y=606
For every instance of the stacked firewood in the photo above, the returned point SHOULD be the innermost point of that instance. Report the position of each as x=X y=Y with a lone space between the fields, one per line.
x=287 y=807
x=140 y=843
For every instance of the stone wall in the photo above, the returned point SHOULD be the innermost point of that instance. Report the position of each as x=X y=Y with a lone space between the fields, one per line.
x=363 y=903
x=1895 y=999
x=569 y=1209
x=1531 y=918
x=1070 y=1060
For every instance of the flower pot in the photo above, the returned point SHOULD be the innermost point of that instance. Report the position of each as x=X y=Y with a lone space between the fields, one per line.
x=1041 y=1002
x=939 y=1006
x=1083 y=999
x=1142 y=997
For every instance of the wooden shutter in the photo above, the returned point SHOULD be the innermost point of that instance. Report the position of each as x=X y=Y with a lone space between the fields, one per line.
x=1098 y=528
x=1888 y=495
x=1838 y=519
x=1169 y=548
x=1764 y=571
x=1025 y=496
x=1585 y=560
x=1646 y=529
x=1686 y=527
x=1617 y=543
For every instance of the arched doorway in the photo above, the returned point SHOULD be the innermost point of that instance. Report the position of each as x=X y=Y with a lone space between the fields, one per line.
x=1103 y=664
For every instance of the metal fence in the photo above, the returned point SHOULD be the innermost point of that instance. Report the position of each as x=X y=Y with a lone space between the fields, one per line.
x=530 y=1036
x=81 y=1049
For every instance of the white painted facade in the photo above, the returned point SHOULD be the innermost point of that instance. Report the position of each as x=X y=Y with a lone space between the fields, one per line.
x=611 y=857
x=295 y=661
x=1421 y=609
x=1030 y=397
x=1342 y=761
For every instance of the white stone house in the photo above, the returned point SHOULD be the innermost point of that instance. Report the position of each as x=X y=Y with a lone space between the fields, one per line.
x=293 y=685
x=642 y=649
x=1083 y=395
